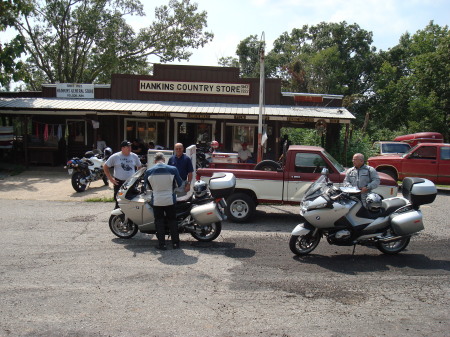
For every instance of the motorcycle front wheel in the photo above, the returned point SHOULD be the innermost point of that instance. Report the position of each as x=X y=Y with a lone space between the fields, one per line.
x=79 y=181
x=303 y=244
x=122 y=229
x=207 y=233
x=394 y=247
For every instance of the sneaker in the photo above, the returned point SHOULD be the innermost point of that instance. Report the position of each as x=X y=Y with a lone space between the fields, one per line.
x=176 y=246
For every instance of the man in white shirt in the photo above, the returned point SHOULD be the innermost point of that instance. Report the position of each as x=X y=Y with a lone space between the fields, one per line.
x=244 y=154
x=125 y=163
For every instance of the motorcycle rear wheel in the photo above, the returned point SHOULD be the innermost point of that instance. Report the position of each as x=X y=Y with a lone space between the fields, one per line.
x=207 y=233
x=77 y=184
x=303 y=244
x=121 y=229
x=394 y=247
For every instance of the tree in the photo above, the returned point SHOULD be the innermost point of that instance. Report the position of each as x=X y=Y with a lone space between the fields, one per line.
x=334 y=58
x=412 y=87
x=85 y=41
x=10 y=68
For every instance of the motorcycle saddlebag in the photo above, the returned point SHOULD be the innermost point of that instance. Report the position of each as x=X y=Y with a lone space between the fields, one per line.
x=222 y=184
x=207 y=213
x=407 y=223
x=419 y=191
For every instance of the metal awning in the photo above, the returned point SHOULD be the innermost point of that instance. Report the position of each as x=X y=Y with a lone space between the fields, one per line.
x=61 y=106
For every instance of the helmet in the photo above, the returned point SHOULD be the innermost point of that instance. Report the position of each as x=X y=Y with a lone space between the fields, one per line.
x=373 y=202
x=214 y=144
x=200 y=189
x=107 y=152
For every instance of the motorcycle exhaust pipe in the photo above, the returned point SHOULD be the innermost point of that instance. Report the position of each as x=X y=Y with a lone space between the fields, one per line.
x=391 y=238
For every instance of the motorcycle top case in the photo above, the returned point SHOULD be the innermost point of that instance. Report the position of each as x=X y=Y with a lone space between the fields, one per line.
x=222 y=184
x=407 y=223
x=418 y=191
x=207 y=213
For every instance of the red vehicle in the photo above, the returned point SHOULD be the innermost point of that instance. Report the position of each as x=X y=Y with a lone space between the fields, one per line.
x=421 y=137
x=425 y=160
x=285 y=184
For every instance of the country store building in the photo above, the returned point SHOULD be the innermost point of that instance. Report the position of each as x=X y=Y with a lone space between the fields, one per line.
x=187 y=104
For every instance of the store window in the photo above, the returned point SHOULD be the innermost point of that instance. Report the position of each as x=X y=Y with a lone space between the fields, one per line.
x=243 y=134
x=146 y=131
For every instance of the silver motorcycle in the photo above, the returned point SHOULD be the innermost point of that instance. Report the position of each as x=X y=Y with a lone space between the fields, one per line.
x=339 y=215
x=200 y=215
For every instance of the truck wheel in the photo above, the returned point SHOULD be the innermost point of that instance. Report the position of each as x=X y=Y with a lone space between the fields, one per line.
x=267 y=165
x=240 y=207
x=390 y=172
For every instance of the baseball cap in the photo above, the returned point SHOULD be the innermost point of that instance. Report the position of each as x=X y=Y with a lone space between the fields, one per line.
x=125 y=143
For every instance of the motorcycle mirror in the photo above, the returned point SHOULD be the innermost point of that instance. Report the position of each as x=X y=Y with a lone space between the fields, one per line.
x=324 y=171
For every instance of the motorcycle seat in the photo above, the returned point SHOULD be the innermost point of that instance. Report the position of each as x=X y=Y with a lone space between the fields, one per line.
x=389 y=206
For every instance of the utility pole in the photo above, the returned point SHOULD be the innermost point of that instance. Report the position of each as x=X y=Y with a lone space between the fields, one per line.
x=261 y=97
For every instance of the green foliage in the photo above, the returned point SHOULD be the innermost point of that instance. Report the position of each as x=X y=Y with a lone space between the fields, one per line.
x=358 y=142
x=228 y=61
x=412 y=87
x=86 y=41
x=100 y=199
x=334 y=58
x=10 y=68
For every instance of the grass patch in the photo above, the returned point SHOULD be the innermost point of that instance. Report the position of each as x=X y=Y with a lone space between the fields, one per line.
x=101 y=199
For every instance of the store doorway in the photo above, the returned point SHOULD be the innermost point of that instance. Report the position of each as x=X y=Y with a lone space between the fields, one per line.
x=194 y=132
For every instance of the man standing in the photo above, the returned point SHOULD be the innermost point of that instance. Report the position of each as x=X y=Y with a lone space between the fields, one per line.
x=163 y=179
x=362 y=176
x=184 y=165
x=124 y=163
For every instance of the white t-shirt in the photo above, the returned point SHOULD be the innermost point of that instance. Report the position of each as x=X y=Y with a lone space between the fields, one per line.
x=244 y=154
x=124 y=166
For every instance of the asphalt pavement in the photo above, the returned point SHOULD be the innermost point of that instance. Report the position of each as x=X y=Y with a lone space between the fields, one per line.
x=63 y=273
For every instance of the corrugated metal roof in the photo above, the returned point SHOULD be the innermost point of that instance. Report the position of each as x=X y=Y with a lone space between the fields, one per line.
x=84 y=106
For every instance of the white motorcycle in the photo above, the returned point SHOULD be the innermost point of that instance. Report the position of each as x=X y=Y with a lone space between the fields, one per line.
x=338 y=214
x=88 y=169
x=200 y=215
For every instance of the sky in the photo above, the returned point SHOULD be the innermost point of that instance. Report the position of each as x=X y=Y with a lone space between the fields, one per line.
x=231 y=21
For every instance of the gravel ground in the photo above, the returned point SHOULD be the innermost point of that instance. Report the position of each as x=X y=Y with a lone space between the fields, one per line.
x=63 y=273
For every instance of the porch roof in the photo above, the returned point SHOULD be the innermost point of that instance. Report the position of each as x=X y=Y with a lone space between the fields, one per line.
x=63 y=106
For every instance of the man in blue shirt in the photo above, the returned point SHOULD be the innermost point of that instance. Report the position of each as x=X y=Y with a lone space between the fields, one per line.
x=184 y=165
x=163 y=179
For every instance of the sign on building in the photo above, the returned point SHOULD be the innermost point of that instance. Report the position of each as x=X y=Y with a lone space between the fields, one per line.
x=206 y=88
x=74 y=90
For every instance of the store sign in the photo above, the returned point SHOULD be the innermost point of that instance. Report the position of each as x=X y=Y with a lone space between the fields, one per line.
x=74 y=90
x=205 y=88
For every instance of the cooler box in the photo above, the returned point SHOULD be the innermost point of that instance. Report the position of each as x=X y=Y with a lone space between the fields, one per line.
x=419 y=191
x=222 y=184
x=151 y=156
x=220 y=157
x=207 y=213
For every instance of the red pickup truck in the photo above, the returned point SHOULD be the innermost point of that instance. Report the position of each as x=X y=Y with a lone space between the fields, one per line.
x=425 y=160
x=285 y=185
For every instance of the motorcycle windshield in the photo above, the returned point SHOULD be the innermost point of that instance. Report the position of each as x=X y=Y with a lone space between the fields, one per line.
x=316 y=188
x=130 y=181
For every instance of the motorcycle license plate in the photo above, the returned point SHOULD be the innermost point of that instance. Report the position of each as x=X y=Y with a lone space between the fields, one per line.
x=70 y=171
